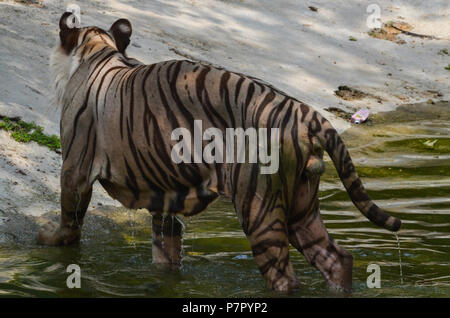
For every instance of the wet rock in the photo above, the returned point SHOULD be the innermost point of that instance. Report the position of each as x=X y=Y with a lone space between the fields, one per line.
x=348 y=93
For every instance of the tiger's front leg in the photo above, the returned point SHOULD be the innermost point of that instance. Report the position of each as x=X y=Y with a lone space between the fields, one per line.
x=75 y=197
x=167 y=236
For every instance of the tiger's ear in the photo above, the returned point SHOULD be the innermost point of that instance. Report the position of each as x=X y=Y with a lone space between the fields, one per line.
x=121 y=32
x=68 y=32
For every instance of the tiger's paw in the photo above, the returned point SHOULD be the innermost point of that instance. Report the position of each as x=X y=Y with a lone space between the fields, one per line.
x=286 y=285
x=294 y=284
x=52 y=234
x=339 y=289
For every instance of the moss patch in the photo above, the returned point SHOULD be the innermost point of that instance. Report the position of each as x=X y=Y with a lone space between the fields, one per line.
x=422 y=145
x=23 y=131
x=443 y=52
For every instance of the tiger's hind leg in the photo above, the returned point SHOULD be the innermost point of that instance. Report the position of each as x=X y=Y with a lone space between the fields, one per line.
x=262 y=218
x=310 y=237
x=267 y=233
x=167 y=236
x=75 y=198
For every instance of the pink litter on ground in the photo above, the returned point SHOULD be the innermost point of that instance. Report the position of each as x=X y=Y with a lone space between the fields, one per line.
x=360 y=116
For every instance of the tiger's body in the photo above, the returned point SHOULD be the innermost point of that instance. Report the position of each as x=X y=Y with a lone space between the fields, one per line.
x=117 y=118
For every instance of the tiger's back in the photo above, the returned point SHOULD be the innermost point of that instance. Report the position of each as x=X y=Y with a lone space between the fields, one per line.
x=135 y=108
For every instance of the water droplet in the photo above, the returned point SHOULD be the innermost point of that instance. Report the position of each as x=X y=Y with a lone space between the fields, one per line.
x=399 y=257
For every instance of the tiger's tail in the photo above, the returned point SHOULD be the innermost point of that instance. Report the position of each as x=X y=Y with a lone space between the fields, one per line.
x=338 y=152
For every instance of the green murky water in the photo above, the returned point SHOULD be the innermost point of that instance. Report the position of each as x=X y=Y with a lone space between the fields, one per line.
x=405 y=165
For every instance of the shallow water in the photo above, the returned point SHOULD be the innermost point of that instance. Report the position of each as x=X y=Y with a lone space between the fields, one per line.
x=404 y=164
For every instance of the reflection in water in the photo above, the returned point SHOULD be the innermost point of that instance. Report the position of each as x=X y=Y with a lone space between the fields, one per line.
x=404 y=165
